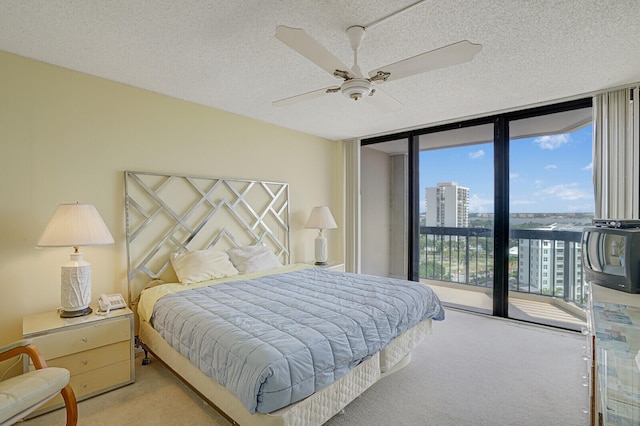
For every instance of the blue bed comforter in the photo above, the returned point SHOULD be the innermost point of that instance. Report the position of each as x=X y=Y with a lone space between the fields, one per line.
x=275 y=340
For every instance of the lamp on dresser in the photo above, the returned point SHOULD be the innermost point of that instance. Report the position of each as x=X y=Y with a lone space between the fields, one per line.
x=321 y=219
x=75 y=225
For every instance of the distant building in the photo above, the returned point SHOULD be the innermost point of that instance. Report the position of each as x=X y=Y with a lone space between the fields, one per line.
x=447 y=205
x=543 y=265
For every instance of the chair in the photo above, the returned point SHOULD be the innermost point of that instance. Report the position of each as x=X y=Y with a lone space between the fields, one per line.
x=21 y=395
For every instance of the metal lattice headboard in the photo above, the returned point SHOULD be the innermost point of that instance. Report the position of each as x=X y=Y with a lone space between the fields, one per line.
x=168 y=212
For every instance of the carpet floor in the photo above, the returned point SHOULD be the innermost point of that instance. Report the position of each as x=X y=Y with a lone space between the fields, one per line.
x=473 y=370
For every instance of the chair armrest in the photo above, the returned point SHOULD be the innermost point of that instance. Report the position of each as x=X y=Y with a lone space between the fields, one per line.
x=12 y=345
x=23 y=347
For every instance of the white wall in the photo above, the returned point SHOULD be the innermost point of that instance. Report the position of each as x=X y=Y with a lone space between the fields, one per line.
x=68 y=137
x=375 y=171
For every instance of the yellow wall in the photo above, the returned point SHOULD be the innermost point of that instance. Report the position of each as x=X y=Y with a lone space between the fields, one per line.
x=67 y=137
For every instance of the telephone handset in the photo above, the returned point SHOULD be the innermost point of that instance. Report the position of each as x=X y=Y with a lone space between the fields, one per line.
x=107 y=302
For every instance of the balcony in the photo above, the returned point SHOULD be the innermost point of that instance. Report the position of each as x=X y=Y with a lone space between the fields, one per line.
x=545 y=272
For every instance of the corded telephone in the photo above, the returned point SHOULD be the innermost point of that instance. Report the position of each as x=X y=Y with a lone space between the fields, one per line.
x=107 y=302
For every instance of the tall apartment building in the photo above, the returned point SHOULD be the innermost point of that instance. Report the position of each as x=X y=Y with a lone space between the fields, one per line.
x=447 y=205
x=544 y=265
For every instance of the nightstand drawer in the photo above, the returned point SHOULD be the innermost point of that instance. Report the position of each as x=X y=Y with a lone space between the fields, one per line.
x=95 y=381
x=102 y=378
x=92 y=359
x=81 y=339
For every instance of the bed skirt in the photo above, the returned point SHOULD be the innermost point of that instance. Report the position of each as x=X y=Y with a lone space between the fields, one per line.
x=314 y=410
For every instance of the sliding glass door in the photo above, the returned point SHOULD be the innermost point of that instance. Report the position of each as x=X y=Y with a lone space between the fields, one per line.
x=456 y=215
x=551 y=199
x=488 y=212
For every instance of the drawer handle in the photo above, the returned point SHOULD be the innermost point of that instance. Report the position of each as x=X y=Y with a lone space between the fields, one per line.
x=85 y=340
x=85 y=362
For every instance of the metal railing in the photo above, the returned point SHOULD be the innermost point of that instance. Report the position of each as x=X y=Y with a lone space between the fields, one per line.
x=541 y=261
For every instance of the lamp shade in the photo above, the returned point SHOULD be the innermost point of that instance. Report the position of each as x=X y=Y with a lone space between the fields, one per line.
x=74 y=225
x=321 y=218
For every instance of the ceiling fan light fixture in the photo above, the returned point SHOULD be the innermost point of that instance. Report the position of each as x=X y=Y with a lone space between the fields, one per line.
x=356 y=84
x=356 y=88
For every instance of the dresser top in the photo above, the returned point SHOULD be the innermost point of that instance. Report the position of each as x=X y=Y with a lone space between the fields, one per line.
x=33 y=325
x=608 y=295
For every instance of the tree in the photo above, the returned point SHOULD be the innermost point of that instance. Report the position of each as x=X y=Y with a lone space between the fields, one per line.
x=433 y=270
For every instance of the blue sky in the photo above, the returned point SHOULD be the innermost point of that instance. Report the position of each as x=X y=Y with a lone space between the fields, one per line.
x=548 y=174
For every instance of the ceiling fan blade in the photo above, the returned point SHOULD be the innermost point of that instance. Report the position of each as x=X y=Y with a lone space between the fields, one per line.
x=305 y=96
x=383 y=101
x=453 y=54
x=304 y=44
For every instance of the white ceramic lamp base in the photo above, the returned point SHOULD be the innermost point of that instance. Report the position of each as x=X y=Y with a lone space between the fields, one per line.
x=321 y=249
x=75 y=287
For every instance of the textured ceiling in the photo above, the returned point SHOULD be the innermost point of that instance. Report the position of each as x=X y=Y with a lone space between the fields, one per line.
x=223 y=53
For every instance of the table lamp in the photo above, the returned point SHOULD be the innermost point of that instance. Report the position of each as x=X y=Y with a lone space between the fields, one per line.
x=321 y=219
x=75 y=225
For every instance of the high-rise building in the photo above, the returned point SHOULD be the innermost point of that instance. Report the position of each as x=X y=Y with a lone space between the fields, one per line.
x=544 y=265
x=447 y=205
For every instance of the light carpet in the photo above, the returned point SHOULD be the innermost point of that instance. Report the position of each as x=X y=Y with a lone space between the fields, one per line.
x=473 y=370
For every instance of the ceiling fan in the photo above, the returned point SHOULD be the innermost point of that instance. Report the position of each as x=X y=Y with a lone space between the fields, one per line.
x=355 y=85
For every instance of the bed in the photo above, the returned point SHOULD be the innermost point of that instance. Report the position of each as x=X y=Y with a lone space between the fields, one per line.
x=310 y=340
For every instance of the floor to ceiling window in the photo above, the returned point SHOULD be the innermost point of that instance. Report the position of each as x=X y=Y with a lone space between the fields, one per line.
x=450 y=206
x=551 y=199
x=456 y=215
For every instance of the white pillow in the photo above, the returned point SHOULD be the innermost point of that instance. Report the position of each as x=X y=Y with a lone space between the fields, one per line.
x=253 y=259
x=201 y=265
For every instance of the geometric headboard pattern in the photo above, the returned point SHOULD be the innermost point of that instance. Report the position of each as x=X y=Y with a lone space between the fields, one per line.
x=169 y=212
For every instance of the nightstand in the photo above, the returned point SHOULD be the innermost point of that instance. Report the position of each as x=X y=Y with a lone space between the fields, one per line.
x=96 y=349
x=332 y=265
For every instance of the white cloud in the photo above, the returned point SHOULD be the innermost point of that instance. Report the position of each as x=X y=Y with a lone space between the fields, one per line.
x=587 y=167
x=552 y=142
x=551 y=167
x=480 y=205
x=514 y=175
x=476 y=155
x=569 y=192
x=539 y=183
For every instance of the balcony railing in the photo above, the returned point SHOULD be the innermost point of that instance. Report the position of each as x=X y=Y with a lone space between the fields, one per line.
x=543 y=262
